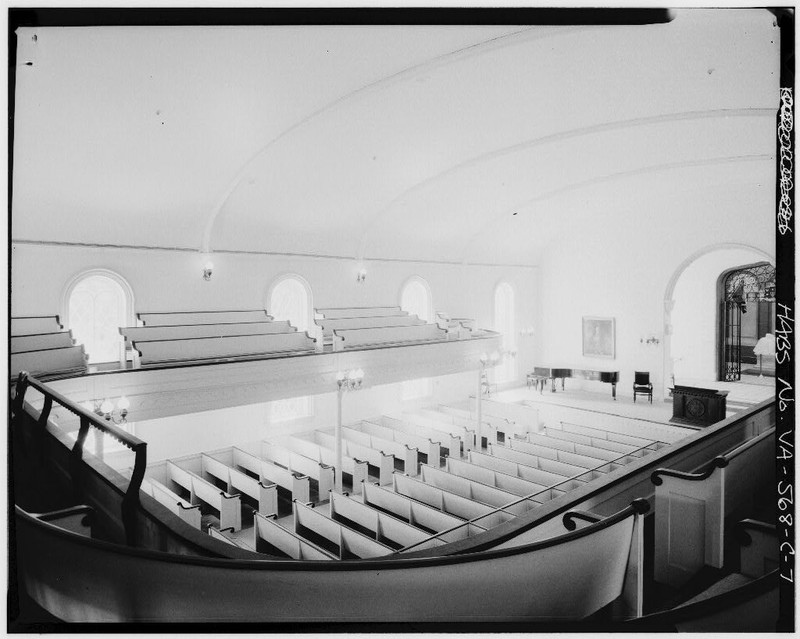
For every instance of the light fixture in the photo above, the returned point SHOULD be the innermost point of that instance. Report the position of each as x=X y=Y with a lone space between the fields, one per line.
x=764 y=346
x=208 y=268
x=350 y=380
x=361 y=276
x=650 y=340
x=108 y=411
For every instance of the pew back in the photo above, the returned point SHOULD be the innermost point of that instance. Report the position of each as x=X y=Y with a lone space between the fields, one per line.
x=42 y=341
x=360 y=311
x=344 y=339
x=196 y=331
x=35 y=325
x=269 y=535
x=51 y=361
x=183 y=318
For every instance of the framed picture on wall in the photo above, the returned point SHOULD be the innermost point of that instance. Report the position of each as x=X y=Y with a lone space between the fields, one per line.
x=599 y=337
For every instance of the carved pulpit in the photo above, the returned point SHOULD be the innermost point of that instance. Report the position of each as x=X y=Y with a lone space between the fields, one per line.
x=697 y=406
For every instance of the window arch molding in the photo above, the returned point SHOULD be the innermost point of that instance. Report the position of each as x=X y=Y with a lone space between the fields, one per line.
x=416 y=279
x=129 y=316
x=290 y=276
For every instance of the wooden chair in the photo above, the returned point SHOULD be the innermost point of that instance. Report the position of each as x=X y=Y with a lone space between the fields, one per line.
x=642 y=385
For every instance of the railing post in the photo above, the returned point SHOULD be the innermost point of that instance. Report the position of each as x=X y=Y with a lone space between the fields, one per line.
x=478 y=409
x=76 y=458
x=338 y=442
x=41 y=426
x=130 y=502
x=19 y=393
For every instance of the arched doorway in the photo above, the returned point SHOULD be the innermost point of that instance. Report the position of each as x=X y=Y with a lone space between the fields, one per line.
x=747 y=316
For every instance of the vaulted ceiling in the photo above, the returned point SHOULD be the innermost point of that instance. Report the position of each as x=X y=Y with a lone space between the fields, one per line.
x=483 y=144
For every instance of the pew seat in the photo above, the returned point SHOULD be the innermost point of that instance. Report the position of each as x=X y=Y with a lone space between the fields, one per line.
x=175 y=503
x=68 y=360
x=41 y=341
x=227 y=506
x=273 y=539
x=159 y=333
x=344 y=339
x=348 y=543
x=360 y=311
x=34 y=325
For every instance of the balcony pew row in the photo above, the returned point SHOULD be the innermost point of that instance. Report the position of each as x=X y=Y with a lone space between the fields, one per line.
x=522 y=471
x=328 y=326
x=553 y=440
x=69 y=360
x=496 y=479
x=462 y=419
x=159 y=352
x=344 y=339
x=35 y=325
x=183 y=318
x=597 y=434
x=547 y=464
x=198 y=331
x=41 y=341
x=693 y=510
x=642 y=449
x=360 y=311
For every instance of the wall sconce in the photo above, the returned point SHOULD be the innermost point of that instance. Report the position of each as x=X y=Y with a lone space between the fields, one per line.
x=650 y=340
x=350 y=380
x=361 y=276
x=208 y=268
x=106 y=409
x=526 y=332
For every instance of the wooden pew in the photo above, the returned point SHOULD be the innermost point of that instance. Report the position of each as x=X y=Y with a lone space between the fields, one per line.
x=296 y=462
x=35 y=325
x=475 y=490
x=329 y=325
x=462 y=419
x=448 y=501
x=596 y=442
x=326 y=458
x=417 y=513
x=360 y=311
x=198 y=331
x=552 y=440
x=611 y=436
x=694 y=510
x=174 y=502
x=523 y=419
x=265 y=495
x=508 y=483
x=223 y=534
x=528 y=473
x=467 y=417
x=344 y=339
x=384 y=462
x=407 y=454
x=425 y=445
x=182 y=318
x=450 y=442
x=545 y=463
x=42 y=341
x=270 y=536
x=563 y=456
x=51 y=361
x=349 y=542
x=385 y=528
x=228 y=506
x=268 y=473
x=233 y=346
x=466 y=435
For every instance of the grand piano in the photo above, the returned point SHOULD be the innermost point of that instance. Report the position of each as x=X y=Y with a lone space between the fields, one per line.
x=544 y=373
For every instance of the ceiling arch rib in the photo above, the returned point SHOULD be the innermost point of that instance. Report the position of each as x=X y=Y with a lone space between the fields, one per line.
x=459 y=54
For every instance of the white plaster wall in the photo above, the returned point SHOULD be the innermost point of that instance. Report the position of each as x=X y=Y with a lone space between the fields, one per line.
x=695 y=315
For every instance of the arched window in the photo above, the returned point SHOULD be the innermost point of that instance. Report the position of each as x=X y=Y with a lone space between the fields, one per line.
x=97 y=304
x=506 y=371
x=290 y=300
x=415 y=298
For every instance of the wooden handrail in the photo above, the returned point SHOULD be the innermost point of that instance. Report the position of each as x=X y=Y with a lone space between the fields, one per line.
x=569 y=518
x=742 y=528
x=720 y=461
x=130 y=500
